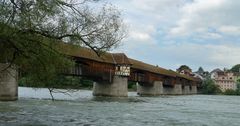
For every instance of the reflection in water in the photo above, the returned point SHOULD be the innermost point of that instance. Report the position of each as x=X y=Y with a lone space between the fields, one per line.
x=120 y=99
x=84 y=110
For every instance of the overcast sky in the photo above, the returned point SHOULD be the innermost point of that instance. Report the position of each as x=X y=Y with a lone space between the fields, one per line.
x=170 y=33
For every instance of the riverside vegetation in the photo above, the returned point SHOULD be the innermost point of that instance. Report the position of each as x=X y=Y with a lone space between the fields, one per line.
x=70 y=82
x=66 y=82
x=209 y=87
x=32 y=30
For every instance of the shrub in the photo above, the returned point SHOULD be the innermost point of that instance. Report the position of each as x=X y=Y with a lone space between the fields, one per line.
x=209 y=87
x=230 y=92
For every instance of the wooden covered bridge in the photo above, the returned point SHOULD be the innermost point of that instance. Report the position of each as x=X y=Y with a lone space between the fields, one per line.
x=112 y=71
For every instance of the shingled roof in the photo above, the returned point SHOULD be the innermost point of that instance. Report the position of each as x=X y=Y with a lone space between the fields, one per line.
x=83 y=52
x=117 y=58
x=151 y=68
x=156 y=69
x=120 y=58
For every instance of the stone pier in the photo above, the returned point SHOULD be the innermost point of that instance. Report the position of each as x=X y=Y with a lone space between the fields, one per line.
x=193 y=89
x=8 y=83
x=154 y=90
x=175 y=90
x=119 y=88
x=186 y=90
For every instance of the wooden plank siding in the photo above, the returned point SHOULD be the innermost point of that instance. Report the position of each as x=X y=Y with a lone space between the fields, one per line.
x=100 y=72
x=147 y=78
x=94 y=70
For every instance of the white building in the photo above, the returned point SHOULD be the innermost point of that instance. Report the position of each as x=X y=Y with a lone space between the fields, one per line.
x=225 y=80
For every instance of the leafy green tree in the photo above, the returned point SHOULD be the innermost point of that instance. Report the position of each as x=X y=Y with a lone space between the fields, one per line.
x=238 y=84
x=230 y=92
x=238 y=87
x=235 y=68
x=184 y=67
x=32 y=30
x=209 y=87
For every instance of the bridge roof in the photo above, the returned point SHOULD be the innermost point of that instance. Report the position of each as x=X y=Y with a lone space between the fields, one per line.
x=118 y=58
x=83 y=52
x=156 y=69
x=151 y=68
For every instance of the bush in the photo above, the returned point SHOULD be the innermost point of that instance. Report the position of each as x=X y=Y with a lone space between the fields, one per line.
x=59 y=81
x=209 y=87
x=132 y=85
x=230 y=92
x=23 y=82
x=86 y=83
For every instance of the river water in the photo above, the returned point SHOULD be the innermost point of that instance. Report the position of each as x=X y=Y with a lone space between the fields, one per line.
x=34 y=108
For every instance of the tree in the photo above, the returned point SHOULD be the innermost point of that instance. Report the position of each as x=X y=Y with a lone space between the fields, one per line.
x=238 y=84
x=230 y=92
x=184 y=67
x=31 y=31
x=235 y=68
x=209 y=87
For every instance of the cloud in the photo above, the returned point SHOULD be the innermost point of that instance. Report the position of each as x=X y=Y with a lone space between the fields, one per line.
x=156 y=6
x=230 y=30
x=141 y=36
x=195 y=55
x=200 y=15
x=209 y=35
x=192 y=32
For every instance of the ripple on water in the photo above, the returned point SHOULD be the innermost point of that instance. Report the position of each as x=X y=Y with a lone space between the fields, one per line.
x=119 y=99
x=198 y=110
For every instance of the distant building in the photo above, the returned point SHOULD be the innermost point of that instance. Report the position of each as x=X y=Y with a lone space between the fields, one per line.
x=186 y=72
x=224 y=79
x=203 y=75
x=196 y=75
x=213 y=74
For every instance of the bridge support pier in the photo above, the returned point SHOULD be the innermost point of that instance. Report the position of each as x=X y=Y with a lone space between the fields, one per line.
x=186 y=90
x=193 y=89
x=8 y=83
x=175 y=90
x=155 y=90
x=119 y=88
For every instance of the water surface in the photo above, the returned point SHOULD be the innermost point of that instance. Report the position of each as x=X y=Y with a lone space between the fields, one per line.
x=34 y=108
